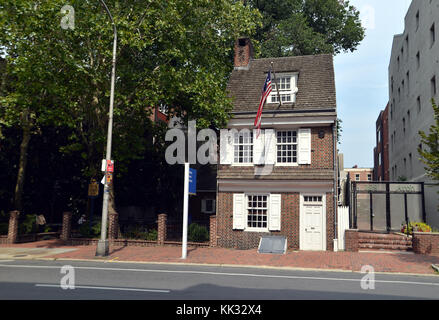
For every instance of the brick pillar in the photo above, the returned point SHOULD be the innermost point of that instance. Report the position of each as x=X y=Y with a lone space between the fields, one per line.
x=13 y=226
x=351 y=240
x=113 y=225
x=212 y=235
x=66 y=226
x=161 y=226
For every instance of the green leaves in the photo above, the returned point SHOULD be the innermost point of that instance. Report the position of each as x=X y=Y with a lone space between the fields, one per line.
x=297 y=27
x=430 y=156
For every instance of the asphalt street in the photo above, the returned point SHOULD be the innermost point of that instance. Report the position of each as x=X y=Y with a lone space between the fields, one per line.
x=36 y=279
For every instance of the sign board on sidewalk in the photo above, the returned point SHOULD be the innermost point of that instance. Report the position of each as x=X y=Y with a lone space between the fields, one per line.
x=192 y=181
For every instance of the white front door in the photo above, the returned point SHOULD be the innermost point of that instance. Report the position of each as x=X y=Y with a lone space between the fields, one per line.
x=312 y=223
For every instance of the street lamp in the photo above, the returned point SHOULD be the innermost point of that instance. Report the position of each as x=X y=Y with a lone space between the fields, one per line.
x=103 y=247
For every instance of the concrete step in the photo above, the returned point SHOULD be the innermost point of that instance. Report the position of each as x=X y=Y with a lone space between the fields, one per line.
x=386 y=241
x=377 y=236
x=389 y=247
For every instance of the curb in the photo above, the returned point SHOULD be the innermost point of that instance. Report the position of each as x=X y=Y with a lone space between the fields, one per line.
x=228 y=266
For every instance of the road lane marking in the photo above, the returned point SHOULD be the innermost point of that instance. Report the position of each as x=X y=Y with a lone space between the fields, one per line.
x=226 y=274
x=104 y=288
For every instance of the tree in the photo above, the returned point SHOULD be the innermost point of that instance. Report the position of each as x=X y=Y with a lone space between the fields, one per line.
x=305 y=27
x=430 y=156
x=172 y=52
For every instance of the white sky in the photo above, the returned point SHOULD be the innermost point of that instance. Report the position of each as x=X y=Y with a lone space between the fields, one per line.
x=362 y=81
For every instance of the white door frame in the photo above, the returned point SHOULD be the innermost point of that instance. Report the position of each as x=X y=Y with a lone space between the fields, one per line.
x=301 y=220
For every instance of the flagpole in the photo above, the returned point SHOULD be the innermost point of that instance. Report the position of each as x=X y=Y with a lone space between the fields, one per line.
x=277 y=86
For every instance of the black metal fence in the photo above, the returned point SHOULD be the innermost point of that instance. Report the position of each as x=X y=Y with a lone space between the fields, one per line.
x=385 y=206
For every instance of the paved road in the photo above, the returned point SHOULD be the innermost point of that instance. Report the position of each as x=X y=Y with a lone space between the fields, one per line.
x=32 y=279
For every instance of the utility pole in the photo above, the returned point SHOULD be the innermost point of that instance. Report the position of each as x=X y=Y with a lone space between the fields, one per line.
x=103 y=246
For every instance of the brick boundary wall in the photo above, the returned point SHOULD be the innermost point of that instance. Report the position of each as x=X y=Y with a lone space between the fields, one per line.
x=66 y=226
x=131 y=243
x=113 y=226
x=213 y=241
x=161 y=229
x=13 y=226
x=3 y=239
x=426 y=243
x=351 y=240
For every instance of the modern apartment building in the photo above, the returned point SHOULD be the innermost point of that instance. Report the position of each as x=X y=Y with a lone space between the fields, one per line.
x=413 y=76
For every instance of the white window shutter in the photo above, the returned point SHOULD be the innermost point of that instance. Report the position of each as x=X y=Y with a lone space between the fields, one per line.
x=304 y=146
x=270 y=146
x=239 y=216
x=258 y=147
x=274 y=212
x=226 y=147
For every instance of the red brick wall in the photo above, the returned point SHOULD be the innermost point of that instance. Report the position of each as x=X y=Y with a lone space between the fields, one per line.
x=322 y=157
x=426 y=243
x=351 y=240
x=290 y=223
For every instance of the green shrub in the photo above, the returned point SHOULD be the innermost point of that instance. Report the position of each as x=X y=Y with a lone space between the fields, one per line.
x=197 y=233
x=92 y=232
x=152 y=235
x=137 y=233
x=28 y=225
x=415 y=226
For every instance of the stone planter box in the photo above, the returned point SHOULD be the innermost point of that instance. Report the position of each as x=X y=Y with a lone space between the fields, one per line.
x=426 y=243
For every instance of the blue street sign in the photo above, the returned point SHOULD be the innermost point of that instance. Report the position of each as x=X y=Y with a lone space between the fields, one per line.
x=192 y=181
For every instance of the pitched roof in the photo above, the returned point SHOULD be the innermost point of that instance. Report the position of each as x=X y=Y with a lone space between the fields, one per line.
x=315 y=83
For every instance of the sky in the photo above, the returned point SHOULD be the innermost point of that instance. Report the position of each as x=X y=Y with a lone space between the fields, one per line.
x=361 y=78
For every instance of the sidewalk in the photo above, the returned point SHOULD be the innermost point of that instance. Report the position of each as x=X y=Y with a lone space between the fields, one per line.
x=347 y=261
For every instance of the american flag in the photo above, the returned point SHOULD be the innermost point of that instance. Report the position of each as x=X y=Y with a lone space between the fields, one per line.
x=265 y=93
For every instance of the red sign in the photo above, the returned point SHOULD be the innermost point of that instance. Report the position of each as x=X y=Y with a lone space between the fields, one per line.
x=110 y=166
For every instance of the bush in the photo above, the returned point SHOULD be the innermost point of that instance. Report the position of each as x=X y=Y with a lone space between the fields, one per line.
x=28 y=225
x=197 y=233
x=152 y=235
x=415 y=227
x=137 y=233
x=92 y=232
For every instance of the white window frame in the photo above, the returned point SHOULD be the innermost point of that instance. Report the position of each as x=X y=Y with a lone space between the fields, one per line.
x=357 y=176
x=247 y=208
x=284 y=90
x=250 y=144
x=288 y=164
x=204 y=206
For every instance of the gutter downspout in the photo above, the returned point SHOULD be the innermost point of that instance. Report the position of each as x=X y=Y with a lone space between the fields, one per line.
x=335 y=201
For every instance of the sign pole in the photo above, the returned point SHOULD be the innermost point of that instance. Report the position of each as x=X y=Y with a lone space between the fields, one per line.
x=185 y=210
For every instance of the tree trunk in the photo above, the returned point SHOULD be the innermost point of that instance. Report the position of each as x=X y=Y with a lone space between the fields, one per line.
x=18 y=195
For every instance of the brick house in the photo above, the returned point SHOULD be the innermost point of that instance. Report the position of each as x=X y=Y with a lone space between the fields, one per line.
x=283 y=182
x=381 y=151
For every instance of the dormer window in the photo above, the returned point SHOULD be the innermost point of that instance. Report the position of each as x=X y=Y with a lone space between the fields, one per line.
x=287 y=84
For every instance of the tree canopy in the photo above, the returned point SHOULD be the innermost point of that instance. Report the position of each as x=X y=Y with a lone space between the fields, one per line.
x=305 y=27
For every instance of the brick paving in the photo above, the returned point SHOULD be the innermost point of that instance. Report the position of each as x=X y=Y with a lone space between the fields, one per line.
x=349 y=261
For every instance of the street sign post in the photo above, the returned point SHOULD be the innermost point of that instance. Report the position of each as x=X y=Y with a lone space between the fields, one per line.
x=192 y=182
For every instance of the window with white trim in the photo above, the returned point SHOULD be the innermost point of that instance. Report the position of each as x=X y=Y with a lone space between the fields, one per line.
x=208 y=205
x=286 y=146
x=257 y=211
x=243 y=147
x=309 y=199
x=287 y=84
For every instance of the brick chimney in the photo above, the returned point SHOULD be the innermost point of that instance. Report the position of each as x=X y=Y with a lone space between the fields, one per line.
x=243 y=53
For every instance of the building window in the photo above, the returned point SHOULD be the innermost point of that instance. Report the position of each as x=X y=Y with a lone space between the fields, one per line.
x=357 y=177
x=408 y=82
x=369 y=177
x=243 y=147
x=379 y=135
x=432 y=35
x=433 y=87
x=379 y=159
x=287 y=85
x=208 y=205
x=312 y=199
x=257 y=211
x=286 y=147
x=403 y=124
x=419 y=103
